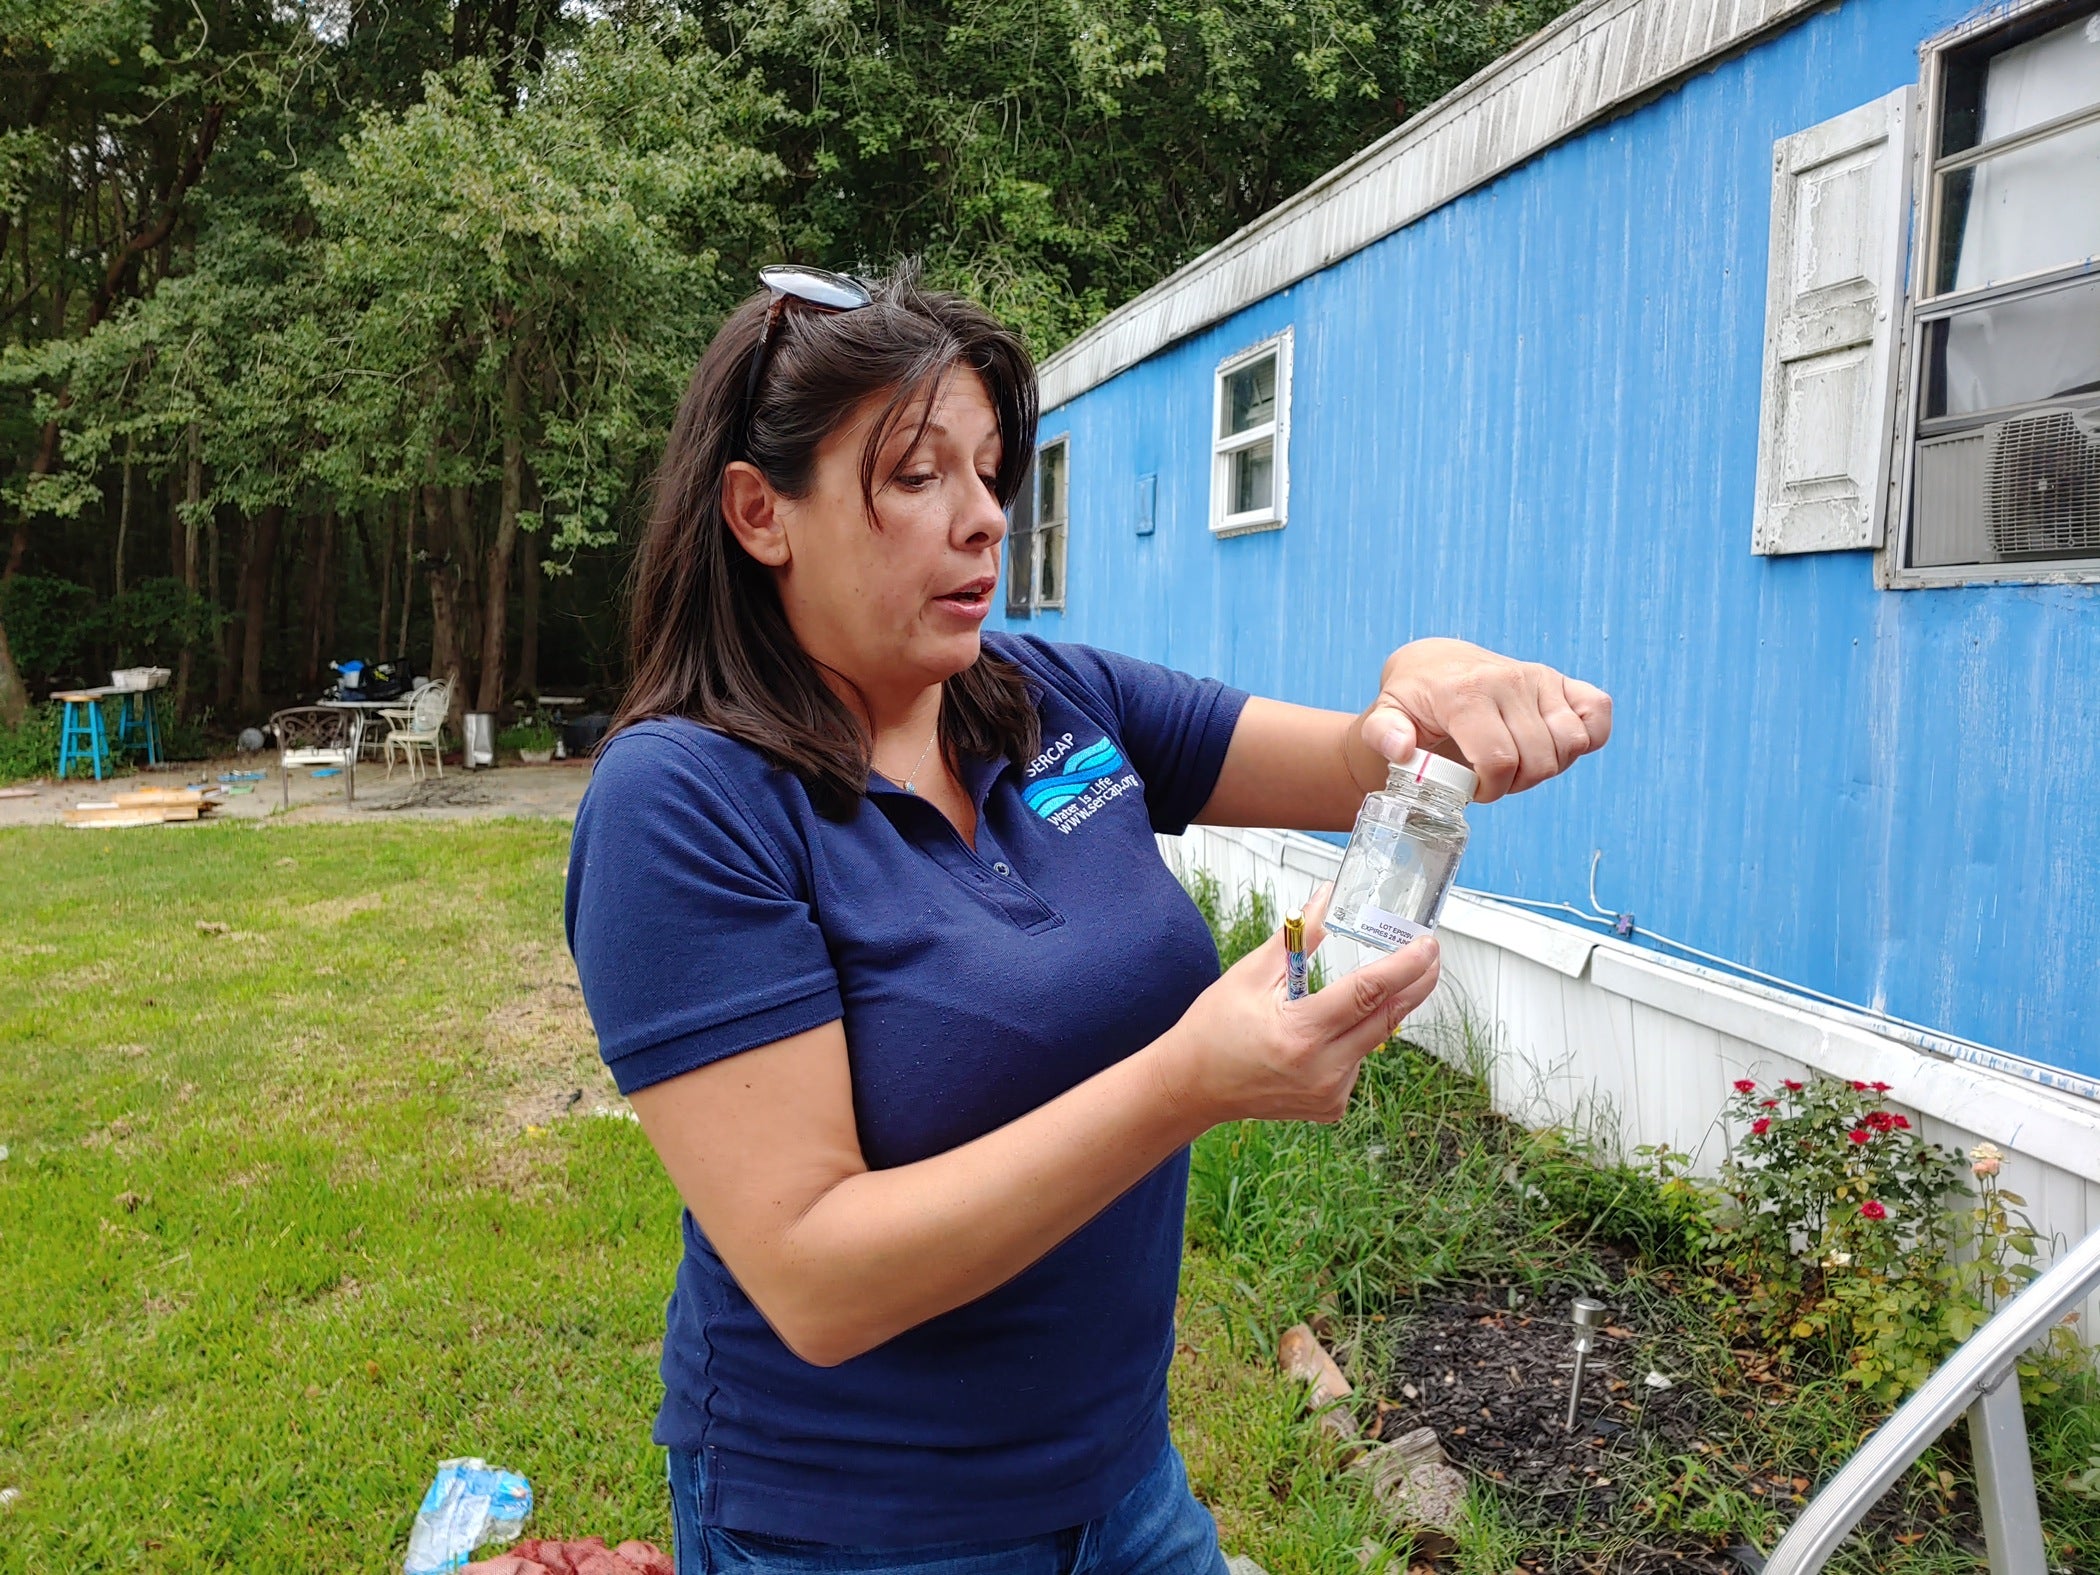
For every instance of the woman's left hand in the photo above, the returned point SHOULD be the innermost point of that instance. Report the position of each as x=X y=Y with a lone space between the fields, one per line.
x=1514 y=723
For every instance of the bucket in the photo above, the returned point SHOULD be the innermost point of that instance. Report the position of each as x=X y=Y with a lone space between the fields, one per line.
x=480 y=747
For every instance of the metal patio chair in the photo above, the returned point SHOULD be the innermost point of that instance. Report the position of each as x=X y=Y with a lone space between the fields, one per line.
x=307 y=736
x=419 y=725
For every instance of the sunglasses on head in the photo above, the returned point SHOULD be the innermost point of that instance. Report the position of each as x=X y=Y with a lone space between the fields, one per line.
x=817 y=288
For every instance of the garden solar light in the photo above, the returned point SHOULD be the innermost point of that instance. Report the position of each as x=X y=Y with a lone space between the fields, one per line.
x=1588 y=1316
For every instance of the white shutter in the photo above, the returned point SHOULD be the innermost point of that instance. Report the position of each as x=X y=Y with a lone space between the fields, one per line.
x=1840 y=209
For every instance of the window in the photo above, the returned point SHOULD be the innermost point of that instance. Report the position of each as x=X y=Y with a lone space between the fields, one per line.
x=1035 y=541
x=2003 y=441
x=1050 y=524
x=1250 y=439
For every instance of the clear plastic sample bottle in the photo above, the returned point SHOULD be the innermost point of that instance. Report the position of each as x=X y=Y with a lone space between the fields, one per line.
x=1404 y=853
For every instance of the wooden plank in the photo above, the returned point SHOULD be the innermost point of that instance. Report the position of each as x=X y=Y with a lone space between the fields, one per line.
x=135 y=797
x=120 y=814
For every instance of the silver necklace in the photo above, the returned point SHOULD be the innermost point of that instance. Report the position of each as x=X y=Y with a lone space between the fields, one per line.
x=907 y=782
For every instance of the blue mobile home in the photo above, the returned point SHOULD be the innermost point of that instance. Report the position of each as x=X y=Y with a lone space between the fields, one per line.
x=1742 y=356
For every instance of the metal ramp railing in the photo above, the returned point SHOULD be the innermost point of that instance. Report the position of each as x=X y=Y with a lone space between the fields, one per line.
x=1977 y=1378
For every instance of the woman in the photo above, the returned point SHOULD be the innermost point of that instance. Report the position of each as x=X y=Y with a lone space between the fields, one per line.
x=876 y=938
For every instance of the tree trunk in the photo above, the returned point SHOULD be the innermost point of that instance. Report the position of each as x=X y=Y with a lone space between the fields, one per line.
x=443 y=574
x=174 y=525
x=124 y=512
x=14 y=698
x=221 y=627
x=386 y=585
x=316 y=587
x=462 y=551
x=255 y=595
x=192 y=493
x=495 y=589
x=529 y=614
x=408 y=568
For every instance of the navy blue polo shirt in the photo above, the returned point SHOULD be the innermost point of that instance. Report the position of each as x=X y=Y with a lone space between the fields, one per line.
x=713 y=910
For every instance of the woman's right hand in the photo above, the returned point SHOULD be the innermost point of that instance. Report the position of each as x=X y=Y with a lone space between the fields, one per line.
x=1242 y=1051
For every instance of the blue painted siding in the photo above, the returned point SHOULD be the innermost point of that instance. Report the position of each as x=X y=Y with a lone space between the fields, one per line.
x=1531 y=420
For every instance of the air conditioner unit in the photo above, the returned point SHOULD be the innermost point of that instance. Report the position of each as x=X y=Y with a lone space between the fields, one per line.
x=2024 y=488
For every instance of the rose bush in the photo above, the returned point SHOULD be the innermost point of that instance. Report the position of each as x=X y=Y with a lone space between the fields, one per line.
x=1841 y=1235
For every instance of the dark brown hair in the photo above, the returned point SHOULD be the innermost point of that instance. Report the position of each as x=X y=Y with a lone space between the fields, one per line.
x=707 y=636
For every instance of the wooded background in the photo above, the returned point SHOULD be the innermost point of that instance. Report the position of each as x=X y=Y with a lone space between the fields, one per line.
x=352 y=328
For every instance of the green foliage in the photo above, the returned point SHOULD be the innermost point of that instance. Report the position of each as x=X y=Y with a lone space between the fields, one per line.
x=50 y=624
x=30 y=749
x=56 y=628
x=526 y=735
x=155 y=619
x=1650 y=1206
x=1057 y=160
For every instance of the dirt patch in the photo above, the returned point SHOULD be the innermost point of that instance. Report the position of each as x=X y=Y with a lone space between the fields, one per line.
x=333 y=910
x=1492 y=1380
x=551 y=791
x=453 y=792
x=543 y=1036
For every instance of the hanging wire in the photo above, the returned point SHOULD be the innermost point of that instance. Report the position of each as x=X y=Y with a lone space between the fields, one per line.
x=1934 y=1040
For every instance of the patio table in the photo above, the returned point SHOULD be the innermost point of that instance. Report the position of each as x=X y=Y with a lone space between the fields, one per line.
x=557 y=708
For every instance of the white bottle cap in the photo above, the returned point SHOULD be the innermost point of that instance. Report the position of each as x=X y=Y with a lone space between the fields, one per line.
x=1422 y=766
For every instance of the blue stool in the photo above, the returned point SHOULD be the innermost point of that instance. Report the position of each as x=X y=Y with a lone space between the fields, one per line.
x=137 y=726
x=81 y=735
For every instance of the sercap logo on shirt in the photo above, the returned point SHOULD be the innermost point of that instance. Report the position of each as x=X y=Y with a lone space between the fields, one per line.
x=1056 y=798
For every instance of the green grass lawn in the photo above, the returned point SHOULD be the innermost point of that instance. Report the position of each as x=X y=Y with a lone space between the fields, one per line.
x=304 y=1192
x=285 y=1219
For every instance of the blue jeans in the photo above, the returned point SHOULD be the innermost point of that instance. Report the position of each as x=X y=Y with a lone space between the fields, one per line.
x=1157 y=1529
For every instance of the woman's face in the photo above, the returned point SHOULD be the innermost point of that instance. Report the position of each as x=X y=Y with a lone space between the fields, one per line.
x=899 y=606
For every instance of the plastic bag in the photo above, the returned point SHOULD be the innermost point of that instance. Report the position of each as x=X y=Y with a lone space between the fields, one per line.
x=469 y=1505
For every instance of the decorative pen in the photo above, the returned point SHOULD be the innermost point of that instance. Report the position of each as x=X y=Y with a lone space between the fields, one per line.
x=1294 y=960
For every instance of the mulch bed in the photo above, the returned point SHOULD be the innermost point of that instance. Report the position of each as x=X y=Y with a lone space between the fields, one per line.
x=1492 y=1380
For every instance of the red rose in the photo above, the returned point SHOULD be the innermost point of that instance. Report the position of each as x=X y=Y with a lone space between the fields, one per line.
x=1900 y=1121
x=1768 y=1104
x=1859 y=1134
x=1872 y=1210
x=1879 y=1088
x=1858 y=1087
x=1761 y=1125
x=1793 y=1087
x=1743 y=1085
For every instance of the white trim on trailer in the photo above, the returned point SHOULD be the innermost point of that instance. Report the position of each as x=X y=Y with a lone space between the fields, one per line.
x=1598 y=58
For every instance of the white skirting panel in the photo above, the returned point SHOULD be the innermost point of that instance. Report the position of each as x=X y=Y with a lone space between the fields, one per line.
x=1596 y=1034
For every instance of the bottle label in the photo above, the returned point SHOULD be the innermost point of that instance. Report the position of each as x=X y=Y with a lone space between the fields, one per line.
x=1375 y=923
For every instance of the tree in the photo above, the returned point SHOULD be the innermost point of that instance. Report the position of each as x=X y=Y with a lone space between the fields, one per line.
x=521 y=290
x=360 y=308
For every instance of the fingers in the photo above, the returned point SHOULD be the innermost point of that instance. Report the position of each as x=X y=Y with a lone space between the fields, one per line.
x=1570 y=734
x=1525 y=727
x=1405 y=1004
x=1383 y=1022
x=1364 y=994
x=1482 y=735
x=1389 y=730
x=1593 y=705
x=1538 y=758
